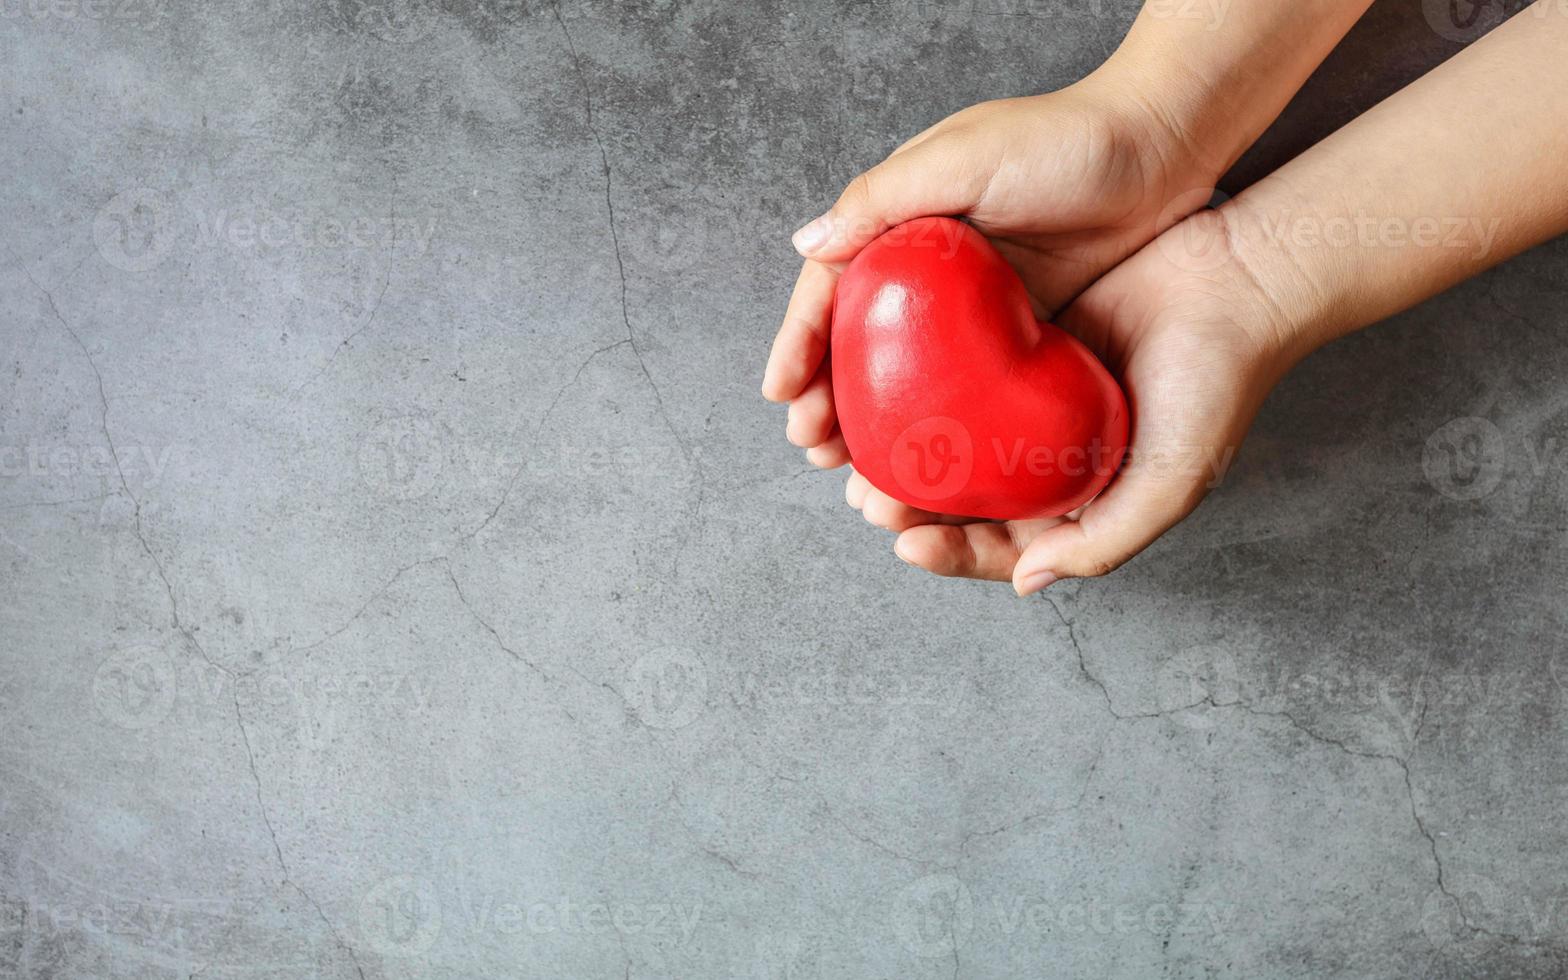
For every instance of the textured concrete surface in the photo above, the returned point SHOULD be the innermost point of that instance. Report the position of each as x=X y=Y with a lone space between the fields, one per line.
x=400 y=576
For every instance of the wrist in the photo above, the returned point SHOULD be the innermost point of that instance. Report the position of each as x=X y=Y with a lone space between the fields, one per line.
x=1176 y=109
x=1285 y=299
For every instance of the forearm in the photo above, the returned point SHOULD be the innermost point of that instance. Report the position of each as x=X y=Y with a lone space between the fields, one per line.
x=1221 y=71
x=1459 y=171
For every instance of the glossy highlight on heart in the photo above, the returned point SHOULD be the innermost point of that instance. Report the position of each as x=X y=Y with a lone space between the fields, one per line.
x=952 y=397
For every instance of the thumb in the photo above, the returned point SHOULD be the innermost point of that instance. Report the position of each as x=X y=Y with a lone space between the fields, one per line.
x=925 y=179
x=1144 y=502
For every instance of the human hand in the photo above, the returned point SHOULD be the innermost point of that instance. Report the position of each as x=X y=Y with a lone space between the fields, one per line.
x=1197 y=346
x=1065 y=185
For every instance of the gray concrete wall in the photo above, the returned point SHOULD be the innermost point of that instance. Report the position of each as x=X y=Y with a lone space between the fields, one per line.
x=401 y=577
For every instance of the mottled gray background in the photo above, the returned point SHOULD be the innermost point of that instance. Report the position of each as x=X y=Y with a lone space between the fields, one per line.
x=451 y=605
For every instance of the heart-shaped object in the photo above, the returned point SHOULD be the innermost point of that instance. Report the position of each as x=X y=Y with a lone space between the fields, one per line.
x=952 y=397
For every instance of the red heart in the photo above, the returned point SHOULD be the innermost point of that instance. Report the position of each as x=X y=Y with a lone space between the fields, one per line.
x=952 y=397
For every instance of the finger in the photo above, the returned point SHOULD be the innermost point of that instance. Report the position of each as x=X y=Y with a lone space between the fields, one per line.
x=927 y=178
x=984 y=550
x=811 y=418
x=802 y=341
x=916 y=139
x=855 y=489
x=829 y=455
x=1140 y=505
x=895 y=515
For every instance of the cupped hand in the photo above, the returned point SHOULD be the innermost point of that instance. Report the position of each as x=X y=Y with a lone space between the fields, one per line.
x=1066 y=185
x=1197 y=344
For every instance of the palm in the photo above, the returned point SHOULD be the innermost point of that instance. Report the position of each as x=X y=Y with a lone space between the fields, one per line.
x=1195 y=374
x=1071 y=191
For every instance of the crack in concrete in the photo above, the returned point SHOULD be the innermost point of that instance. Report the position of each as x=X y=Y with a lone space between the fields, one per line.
x=277 y=848
x=1083 y=795
x=1402 y=762
x=375 y=307
x=364 y=607
x=496 y=635
x=703 y=847
x=179 y=624
x=691 y=458
x=125 y=486
x=843 y=824
x=533 y=441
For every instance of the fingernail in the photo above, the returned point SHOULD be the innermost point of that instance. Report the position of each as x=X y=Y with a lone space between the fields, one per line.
x=1034 y=582
x=813 y=236
x=898 y=549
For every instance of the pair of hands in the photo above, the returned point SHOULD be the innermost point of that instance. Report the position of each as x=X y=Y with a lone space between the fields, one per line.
x=1098 y=200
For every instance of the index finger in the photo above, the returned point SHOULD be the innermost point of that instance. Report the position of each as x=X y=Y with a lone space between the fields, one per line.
x=802 y=341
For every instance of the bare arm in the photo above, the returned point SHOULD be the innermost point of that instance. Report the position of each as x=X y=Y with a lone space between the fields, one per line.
x=1459 y=171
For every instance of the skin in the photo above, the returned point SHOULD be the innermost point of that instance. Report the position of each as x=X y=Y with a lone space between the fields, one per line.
x=1197 y=314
